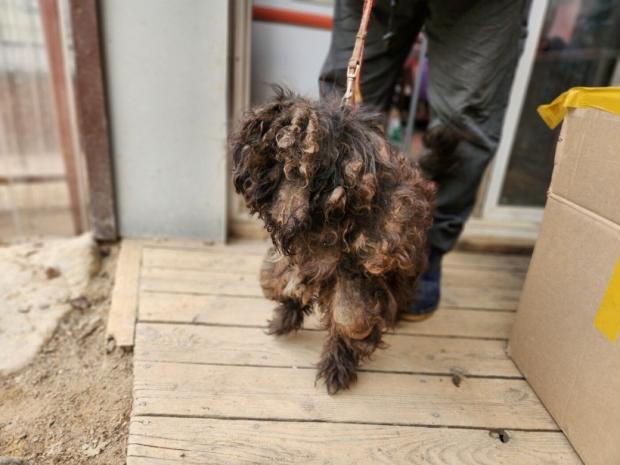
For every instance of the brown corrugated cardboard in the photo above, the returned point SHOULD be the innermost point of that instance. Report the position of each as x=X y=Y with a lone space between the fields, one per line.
x=573 y=367
x=587 y=165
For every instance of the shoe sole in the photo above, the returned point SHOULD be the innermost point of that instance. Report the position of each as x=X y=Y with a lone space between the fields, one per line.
x=417 y=318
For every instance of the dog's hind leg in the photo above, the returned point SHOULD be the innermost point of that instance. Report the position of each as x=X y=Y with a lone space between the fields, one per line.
x=281 y=282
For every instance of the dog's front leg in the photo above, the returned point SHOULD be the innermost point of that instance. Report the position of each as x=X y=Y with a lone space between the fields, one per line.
x=338 y=364
x=281 y=282
x=287 y=317
x=341 y=357
x=352 y=315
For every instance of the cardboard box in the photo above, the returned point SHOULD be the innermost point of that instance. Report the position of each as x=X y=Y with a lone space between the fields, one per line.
x=565 y=339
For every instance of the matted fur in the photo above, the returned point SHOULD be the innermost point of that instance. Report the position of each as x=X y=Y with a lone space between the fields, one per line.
x=348 y=215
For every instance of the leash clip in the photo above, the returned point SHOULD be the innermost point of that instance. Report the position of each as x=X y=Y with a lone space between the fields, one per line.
x=354 y=65
x=352 y=72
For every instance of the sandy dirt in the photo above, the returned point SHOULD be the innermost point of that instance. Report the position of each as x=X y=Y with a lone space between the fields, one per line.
x=71 y=404
x=38 y=282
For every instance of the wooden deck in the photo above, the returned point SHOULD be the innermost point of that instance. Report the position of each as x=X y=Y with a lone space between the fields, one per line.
x=212 y=388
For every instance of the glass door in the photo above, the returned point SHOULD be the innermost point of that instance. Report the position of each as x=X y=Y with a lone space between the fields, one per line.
x=570 y=43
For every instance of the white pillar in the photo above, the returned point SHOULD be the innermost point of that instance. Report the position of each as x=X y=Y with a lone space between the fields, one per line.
x=166 y=66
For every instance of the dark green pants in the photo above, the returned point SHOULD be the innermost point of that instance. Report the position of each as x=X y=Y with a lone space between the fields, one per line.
x=473 y=49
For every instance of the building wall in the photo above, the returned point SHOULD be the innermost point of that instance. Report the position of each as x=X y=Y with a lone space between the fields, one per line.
x=288 y=55
x=166 y=74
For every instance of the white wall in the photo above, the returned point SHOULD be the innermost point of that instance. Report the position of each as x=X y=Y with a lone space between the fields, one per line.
x=166 y=72
x=286 y=54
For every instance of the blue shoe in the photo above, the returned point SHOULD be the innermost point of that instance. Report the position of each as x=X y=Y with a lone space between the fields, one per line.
x=428 y=291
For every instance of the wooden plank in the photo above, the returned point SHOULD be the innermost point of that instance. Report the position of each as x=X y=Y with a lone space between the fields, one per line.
x=200 y=282
x=487 y=261
x=218 y=258
x=207 y=309
x=243 y=311
x=124 y=306
x=481 y=297
x=249 y=246
x=237 y=442
x=257 y=248
x=477 y=294
x=291 y=394
x=207 y=260
x=517 y=262
x=227 y=274
x=92 y=117
x=462 y=323
x=251 y=346
x=498 y=236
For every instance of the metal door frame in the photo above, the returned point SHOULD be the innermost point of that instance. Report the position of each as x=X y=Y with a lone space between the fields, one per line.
x=491 y=208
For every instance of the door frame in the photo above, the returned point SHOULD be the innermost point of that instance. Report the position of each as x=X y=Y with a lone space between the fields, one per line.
x=490 y=205
x=92 y=117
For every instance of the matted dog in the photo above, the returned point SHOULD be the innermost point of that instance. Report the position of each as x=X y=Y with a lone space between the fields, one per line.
x=348 y=216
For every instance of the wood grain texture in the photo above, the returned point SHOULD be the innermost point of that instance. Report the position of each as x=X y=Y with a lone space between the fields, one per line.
x=480 y=296
x=196 y=254
x=204 y=309
x=290 y=394
x=124 y=306
x=172 y=441
x=254 y=311
x=251 y=346
x=221 y=258
x=211 y=387
x=242 y=264
x=200 y=282
x=488 y=261
x=481 y=292
x=462 y=323
x=251 y=246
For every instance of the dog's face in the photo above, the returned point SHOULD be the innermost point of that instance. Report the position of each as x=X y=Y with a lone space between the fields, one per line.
x=312 y=172
x=283 y=165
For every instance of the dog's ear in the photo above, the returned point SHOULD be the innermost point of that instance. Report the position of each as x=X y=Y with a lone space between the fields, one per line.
x=255 y=170
x=242 y=145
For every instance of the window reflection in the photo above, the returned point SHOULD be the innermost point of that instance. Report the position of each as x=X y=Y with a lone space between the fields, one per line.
x=579 y=46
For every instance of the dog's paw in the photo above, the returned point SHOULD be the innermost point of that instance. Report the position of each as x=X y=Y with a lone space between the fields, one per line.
x=338 y=368
x=337 y=377
x=287 y=317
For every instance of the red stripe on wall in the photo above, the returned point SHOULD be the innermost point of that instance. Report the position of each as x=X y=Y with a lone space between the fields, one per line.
x=298 y=18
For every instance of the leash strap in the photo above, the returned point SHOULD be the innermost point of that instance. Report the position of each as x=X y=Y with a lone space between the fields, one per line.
x=353 y=93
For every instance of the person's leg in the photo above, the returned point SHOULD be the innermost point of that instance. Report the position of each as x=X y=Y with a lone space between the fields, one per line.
x=383 y=60
x=473 y=52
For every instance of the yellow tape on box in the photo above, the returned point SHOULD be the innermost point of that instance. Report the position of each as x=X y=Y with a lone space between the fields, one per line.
x=607 y=319
x=602 y=98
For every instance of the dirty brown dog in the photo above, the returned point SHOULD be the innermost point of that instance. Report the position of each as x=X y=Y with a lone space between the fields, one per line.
x=348 y=216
